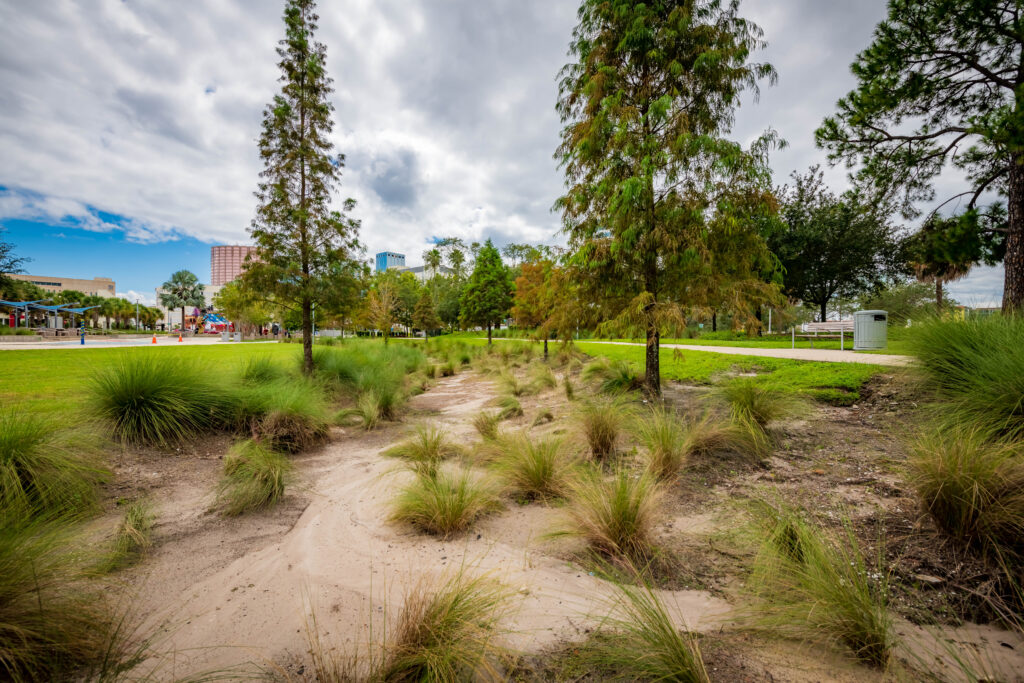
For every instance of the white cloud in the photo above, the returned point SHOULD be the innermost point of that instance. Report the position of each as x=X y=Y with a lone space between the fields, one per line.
x=144 y=298
x=150 y=110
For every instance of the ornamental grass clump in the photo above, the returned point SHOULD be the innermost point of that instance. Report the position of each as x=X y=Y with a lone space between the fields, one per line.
x=43 y=468
x=254 y=478
x=542 y=377
x=512 y=385
x=975 y=367
x=154 y=399
x=818 y=587
x=446 y=632
x=639 y=640
x=710 y=435
x=508 y=407
x=533 y=468
x=426 y=449
x=615 y=515
x=262 y=369
x=613 y=376
x=486 y=424
x=665 y=443
x=133 y=537
x=602 y=424
x=442 y=503
x=288 y=415
x=754 y=402
x=970 y=481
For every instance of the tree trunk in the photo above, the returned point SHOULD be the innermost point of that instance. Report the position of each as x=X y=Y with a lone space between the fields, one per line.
x=938 y=294
x=1013 y=263
x=652 y=365
x=714 y=321
x=824 y=311
x=307 y=335
x=545 y=347
x=182 y=326
x=488 y=334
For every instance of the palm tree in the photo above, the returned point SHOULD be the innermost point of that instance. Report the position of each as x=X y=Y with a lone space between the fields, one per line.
x=183 y=289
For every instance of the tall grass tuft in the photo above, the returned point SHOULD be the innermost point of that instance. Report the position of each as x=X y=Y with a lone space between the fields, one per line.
x=158 y=400
x=754 y=402
x=261 y=369
x=41 y=469
x=542 y=377
x=533 y=469
x=819 y=588
x=666 y=447
x=254 y=478
x=616 y=516
x=709 y=435
x=443 y=504
x=446 y=633
x=570 y=391
x=133 y=537
x=971 y=483
x=289 y=415
x=486 y=424
x=601 y=424
x=513 y=386
x=645 y=644
x=50 y=624
x=613 y=376
x=509 y=407
x=977 y=365
x=425 y=449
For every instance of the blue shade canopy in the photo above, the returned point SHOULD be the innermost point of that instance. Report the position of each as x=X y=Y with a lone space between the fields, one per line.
x=79 y=311
x=20 y=304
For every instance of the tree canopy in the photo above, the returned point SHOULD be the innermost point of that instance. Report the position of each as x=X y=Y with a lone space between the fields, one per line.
x=646 y=103
x=939 y=87
x=181 y=290
x=488 y=294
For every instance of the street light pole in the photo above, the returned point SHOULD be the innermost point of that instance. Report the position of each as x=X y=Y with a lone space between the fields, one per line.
x=136 y=315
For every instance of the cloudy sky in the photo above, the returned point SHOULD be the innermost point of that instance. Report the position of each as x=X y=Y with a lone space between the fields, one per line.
x=128 y=128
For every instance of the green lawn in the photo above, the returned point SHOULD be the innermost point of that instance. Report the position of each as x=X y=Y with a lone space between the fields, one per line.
x=837 y=383
x=57 y=381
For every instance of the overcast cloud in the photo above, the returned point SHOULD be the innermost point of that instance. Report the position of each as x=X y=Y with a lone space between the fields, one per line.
x=148 y=111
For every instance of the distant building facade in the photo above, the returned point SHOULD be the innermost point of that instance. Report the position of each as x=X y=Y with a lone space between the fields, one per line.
x=389 y=259
x=98 y=286
x=226 y=263
x=424 y=273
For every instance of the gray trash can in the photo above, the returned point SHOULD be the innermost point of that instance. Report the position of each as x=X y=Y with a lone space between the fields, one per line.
x=870 y=330
x=225 y=336
x=238 y=336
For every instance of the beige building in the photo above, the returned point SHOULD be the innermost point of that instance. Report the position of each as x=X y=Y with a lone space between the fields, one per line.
x=98 y=286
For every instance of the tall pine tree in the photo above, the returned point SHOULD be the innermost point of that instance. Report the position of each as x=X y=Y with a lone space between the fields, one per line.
x=302 y=243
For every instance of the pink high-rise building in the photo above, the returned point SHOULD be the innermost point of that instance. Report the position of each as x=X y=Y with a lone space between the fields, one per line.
x=226 y=263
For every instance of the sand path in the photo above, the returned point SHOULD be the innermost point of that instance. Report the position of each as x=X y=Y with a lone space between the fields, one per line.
x=343 y=558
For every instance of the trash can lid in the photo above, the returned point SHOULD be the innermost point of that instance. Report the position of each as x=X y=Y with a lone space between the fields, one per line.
x=870 y=312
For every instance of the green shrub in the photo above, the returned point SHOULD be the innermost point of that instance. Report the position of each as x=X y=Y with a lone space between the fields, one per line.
x=602 y=424
x=750 y=400
x=616 y=516
x=425 y=450
x=446 y=631
x=820 y=589
x=443 y=504
x=159 y=400
x=42 y=468
x=533 y=468
x=254 y=478
x=971 y=483
x=133 y=537
x=976 y=366
x=613 y=376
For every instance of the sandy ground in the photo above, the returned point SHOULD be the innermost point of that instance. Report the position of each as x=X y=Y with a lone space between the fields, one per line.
x=233 y=591
x=227 y=592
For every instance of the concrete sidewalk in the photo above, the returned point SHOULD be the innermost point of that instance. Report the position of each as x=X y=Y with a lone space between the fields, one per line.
x=98 y=342
x=821 y=355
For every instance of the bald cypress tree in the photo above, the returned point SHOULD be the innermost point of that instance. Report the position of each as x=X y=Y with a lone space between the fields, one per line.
x=647 y=103
x=303 y=244
x=488 y=294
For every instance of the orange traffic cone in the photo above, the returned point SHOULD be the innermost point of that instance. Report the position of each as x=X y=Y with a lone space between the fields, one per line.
x=179 y=336
x=154 y=339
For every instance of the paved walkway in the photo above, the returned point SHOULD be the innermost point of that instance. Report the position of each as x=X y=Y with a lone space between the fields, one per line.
x=822 y=355
x=99 y=342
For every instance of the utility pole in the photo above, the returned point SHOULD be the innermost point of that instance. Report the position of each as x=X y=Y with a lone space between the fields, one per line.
x=136 y=315
x=314 y=322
